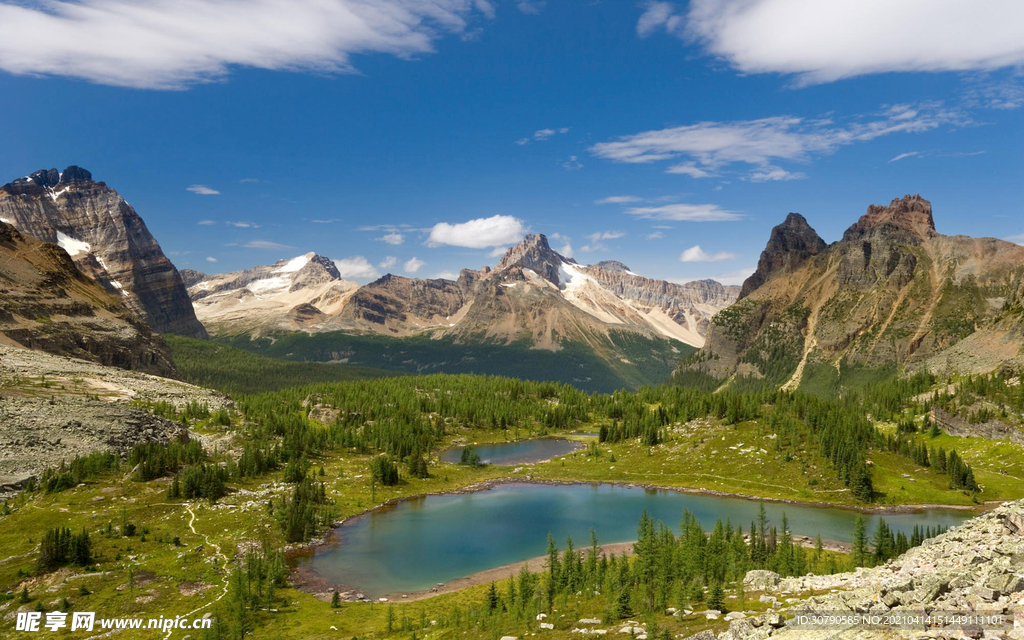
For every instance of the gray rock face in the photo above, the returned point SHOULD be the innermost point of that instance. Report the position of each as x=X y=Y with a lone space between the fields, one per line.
x=975 y=568
x=790 y=245
x=107 y=240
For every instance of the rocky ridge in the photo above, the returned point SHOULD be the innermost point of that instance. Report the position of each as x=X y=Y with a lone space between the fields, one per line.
x=47 y=304
x=892 y=292
x=107 y=240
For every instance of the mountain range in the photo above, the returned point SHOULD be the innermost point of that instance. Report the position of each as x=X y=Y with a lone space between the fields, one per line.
x=534 y=292
x=892 y=294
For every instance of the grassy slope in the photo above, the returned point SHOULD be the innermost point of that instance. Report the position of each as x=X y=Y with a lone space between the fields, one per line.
x=649 y=361
x=225 y=368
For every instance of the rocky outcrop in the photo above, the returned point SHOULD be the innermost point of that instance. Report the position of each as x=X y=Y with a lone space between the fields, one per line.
x=994 y=429
x=892 y=293
x=47 y=304
x=790 y=245
x=106 y=238
x=976 y=569
x=53 y=408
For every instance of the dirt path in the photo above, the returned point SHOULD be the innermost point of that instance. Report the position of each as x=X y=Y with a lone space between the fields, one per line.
x=206 y=540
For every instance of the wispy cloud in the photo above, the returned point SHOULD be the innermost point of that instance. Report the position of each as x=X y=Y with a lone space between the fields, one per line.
x=572 y=164
x=412 y=265
x=708 y=147
x=685 y=213
x=696 y=254
x=266 y=244
x=206 y=223
x=542 y=134
x=392 y=238
x=242 y=224
x=388 y=262
x=497 y=252
x=597 y=238
x=446 y=275
x=618 y=200
x=654 y=236
x=480 y=233
x=211 y=259
x=531 y=7
x=909 y=154
x=1017 y=239
x=249 y=181
x=825 y=41
x=167 y=44
x=198 y=189
x=356 y=268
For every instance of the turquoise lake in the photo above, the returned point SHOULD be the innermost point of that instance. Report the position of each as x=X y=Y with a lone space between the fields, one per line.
x=422 y=541
x=512 y=453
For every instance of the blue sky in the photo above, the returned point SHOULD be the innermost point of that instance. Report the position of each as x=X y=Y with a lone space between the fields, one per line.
x=420 y=137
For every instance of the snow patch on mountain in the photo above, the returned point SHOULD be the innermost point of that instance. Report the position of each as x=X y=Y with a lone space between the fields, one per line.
x=295 y=264
x=72 y=246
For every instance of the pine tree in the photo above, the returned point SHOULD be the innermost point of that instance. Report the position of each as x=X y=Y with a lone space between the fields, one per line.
x=858 y=549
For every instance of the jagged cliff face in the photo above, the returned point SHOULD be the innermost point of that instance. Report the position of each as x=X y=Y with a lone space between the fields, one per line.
x=107 y=240
x=48 y=304
x=534 y=293
x=892 y=292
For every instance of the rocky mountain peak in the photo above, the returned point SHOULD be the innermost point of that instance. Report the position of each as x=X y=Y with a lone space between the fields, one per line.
x=791 y=244
x=612 y=265
x=51 y=177
x=534 y=253
x=910 y=213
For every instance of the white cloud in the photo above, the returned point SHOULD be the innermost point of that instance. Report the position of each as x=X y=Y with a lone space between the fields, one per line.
x=543 y=134
x=206 y=222
x=658 y=15
x=696 y=254
x=909 y=154
x=572 y=164
x=170 y=44
x=356 y=267
x=241 y=224
x=479 y=233
x=447 y=275
x=566 y=250
x=412 y=265
x=388 y=262
x=211 y=259
x=1017 y=239
x=497 y=252
x=266 y=244
x=826 y=41
x=654 y=236
x=689 y=169
x=771 y=173
x=618 y=200
x=198 y=189
x=392 y=238
x=685 y=213
x=996 y=94
x=707 y=147
x=249 y=181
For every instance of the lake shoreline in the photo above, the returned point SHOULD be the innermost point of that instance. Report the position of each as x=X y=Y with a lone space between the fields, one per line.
x=305 y=579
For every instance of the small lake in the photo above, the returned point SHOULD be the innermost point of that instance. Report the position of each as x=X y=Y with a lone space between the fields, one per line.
x=512 y=453
x=423 y=541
